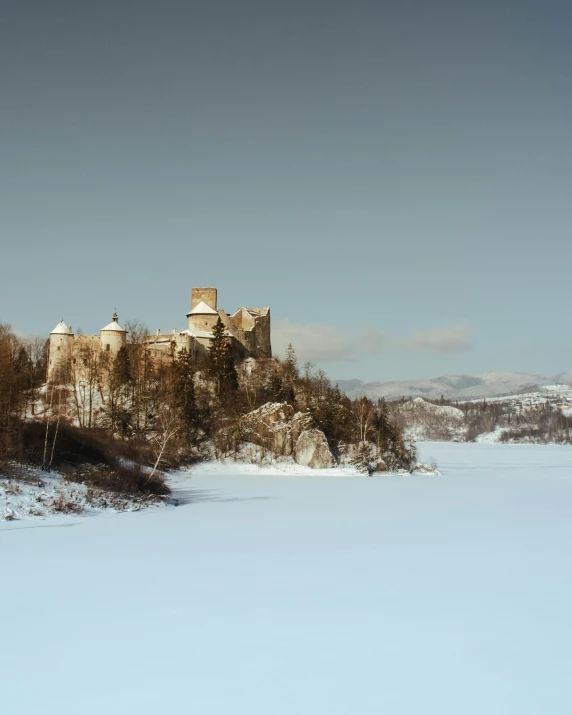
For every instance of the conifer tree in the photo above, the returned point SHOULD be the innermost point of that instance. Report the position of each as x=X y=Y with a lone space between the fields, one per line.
x=291 y=373
x=183 y=390
x=221 y=360
x=120 y=389
x=291 y=364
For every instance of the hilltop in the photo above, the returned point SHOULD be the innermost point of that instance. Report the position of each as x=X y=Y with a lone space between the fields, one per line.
x=457 y=387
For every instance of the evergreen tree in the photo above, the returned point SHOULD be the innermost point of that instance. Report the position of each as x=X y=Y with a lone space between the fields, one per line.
x=291 y=371
x=382 y=428
x=221 y=366
x=120 y=390
x=183 y=390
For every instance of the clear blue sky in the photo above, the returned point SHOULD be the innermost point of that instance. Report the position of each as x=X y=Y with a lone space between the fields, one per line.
x=392 y=178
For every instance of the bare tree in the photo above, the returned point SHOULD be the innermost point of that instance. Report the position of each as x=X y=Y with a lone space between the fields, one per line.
x=364 y=412
x=167 y=428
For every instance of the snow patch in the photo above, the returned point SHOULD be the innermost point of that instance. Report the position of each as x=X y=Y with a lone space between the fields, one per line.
x=33 y=493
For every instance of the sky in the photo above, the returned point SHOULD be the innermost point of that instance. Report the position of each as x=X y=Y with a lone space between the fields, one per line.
x=392 y=178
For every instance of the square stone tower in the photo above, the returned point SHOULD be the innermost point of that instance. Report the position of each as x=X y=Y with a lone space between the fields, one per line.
x=203 y=314
x=204 y=295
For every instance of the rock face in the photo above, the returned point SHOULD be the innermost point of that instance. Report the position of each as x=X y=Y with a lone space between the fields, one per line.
x=276 y=427
x=312 y=450
x=269 y=427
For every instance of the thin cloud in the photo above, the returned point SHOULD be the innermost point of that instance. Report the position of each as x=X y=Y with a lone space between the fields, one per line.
x=448 y=339
x=371 y=341
x=314 y=342
x=319 y=342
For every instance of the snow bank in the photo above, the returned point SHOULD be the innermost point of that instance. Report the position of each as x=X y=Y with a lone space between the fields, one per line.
x=43 y=494
x=284 y=466
x=491 y=437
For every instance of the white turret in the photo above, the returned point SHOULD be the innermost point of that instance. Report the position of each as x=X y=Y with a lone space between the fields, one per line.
x=202 y=317
x=113 y=336
x=61 y=346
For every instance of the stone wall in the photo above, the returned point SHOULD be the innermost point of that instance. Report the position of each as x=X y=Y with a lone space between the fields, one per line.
x=207 y=295
x=262 y=334
x=202 y=322
x=251 y=329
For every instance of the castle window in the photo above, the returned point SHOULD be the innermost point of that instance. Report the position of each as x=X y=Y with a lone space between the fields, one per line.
x=58 y=347
x=108 y=347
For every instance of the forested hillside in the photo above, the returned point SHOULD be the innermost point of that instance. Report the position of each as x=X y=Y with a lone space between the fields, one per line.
x=132 y=416
x=539 y=417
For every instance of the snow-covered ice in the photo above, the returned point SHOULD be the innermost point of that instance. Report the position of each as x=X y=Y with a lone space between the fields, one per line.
x=273 y=594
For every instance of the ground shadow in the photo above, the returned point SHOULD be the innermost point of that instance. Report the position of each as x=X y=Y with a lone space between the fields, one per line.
x=182 y=497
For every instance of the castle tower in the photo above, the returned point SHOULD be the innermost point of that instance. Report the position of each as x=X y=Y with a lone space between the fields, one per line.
x=61 y=346
x=203 y=314
x=204 y=295
x=113 y=336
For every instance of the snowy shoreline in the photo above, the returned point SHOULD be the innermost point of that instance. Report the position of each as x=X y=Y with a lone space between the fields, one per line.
x=40 y=495
x=48 y=495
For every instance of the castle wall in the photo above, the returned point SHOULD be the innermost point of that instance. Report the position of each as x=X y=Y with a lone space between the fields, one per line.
x=67 y=348
x=202 y=322
x=203 y=345
x=262 y=335
x=252 y=331
x=243 y=320
x=164 y=345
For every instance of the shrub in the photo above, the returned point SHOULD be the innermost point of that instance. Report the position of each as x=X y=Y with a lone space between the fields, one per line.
x=119 y=479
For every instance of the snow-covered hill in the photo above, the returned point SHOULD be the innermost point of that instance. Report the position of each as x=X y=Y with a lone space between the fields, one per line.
x=423 y=421
x=457 y=387
x=543 y=416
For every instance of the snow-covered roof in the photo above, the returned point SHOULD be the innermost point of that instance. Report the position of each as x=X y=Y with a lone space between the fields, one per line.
x=60 y=329
x=202 y=309
x=114 y=325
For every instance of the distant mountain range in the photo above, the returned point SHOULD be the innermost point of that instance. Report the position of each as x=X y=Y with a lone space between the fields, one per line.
x=457 y=387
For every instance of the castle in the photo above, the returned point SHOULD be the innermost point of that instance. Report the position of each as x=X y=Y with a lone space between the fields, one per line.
x=248 y=329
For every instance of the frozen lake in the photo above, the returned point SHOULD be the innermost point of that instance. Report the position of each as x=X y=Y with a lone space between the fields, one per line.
x=277 y=595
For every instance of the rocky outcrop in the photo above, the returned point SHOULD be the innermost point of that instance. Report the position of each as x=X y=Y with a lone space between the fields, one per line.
x=277 y=428
x=312 y=450
x=270 y=427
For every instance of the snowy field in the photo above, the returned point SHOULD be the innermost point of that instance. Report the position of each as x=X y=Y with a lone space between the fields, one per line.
x=283 y=594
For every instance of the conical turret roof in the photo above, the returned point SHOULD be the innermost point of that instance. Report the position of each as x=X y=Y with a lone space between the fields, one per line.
x=61 y=329
x=114 y=325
